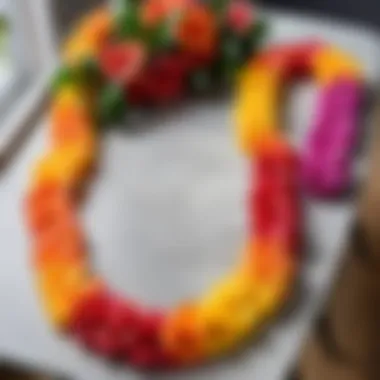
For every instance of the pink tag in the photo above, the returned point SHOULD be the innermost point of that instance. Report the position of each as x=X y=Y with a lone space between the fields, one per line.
x=328 y=158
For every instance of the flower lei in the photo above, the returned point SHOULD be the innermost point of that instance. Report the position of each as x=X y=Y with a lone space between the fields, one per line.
x=114 y=61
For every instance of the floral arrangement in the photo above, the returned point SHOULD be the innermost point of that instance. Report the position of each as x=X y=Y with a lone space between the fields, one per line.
x=155 y=52
x=152 y=53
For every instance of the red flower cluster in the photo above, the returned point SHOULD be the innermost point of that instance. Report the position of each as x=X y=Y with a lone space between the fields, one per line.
x=120 y=330
x=240 y=15
x=121 y=62
x=163 y=80
x=274 y=199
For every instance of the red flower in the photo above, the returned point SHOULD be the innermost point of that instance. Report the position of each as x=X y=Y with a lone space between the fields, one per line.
x=155 y=11
x=122 y=62
x=123 y=325
x=162 y=82
x=198 y=31
x=148 y=351
x=89 y=321
x=192 y=61
x=240 y=15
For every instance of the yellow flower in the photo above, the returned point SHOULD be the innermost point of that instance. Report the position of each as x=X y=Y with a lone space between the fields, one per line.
x=272 y=271
x=272 y=296
x=330 y=64
x=66 y=165
x=61 y=285
x=71 y=121
x=78 y=49
x=89 y=37
x=71 y=96
x=183 y=334
x=229 y=312
x=256 y=108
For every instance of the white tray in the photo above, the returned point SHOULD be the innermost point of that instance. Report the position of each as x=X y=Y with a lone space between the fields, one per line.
x=166 y=218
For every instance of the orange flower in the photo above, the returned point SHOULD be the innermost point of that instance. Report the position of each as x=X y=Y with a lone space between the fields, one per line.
x=97 y=26
x=61 y=286
x=176 y=5
x=155 y=11
x=70 y=124
x=60 y=242
x=268 y=261
x=46 y=204
x=89 y=36
x=183 y=335
x=66 y=165
x=197 y=31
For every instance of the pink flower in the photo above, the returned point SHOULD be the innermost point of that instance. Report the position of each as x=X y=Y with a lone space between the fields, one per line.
x=240 y=15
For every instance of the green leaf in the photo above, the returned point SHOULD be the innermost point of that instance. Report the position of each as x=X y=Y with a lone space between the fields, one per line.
x=231 y=55
x=89 y=72
x=112 y=104
x=158 y=38
x=85 y=74
x=255 y=37
x=128 y=22
x=64 y=75
x=230 y=70
x=201 y=80
x=219 y=6
x=232 y=49
x=119 y=6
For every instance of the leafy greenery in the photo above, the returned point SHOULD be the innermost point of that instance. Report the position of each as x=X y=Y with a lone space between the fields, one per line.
x=87 y=74
x=63 y=75
x=219 y=6
x=255 y=37
x=128 y=24
x=201 y=80
x=112 y=105
x=158 y=38
x=231 y=54
x=235 y=48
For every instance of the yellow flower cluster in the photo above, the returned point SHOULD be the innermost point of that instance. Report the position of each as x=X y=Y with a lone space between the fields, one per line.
x=234 y=308
x=88 y=37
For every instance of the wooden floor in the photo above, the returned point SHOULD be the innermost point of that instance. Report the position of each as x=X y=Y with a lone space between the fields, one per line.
x=16 y=372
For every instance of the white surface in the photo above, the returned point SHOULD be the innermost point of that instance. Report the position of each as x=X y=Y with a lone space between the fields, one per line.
x=31 y=58
x=172 y=197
